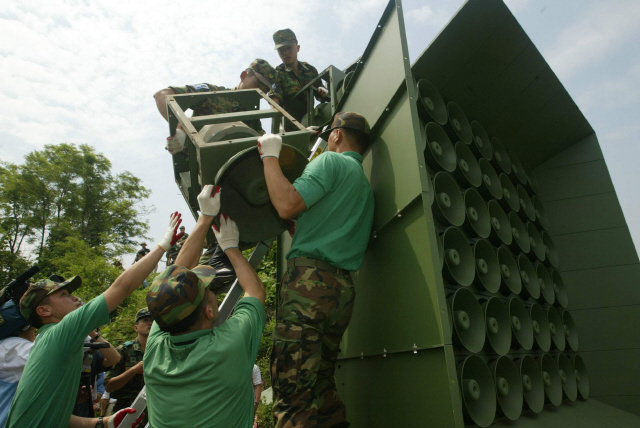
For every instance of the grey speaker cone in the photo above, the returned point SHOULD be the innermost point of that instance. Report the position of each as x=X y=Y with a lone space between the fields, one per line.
x=527 y=210
x=532 y=383
x=542 y=220
x=520 y=242
x=532 y=181
x=490 y=187
x=557 y=329
x=500 y=227
x=439 y=153
x=567 y=377
x=517 y=170
x=551 y=254
x=521 y=326
x=537 y=245
x=468 y=321
x=481 y=144
x=458 y=124
x=431 y=106
x=449 y=204
x=582 y=376
x=500 y=159
x=476 y=221
x=551 y=379
x=530 y=284
x=547 y=294
x=468 y=171
x=511 y=282
x=562 y=298
x=487 y=267
x=508 y=387
x=570 y=332
x=541 y=328
x=510 y=200
x=478 y=391
x=458 y=258
x=498 y=326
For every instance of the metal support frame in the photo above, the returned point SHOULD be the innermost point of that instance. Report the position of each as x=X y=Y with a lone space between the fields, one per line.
x=333 y=76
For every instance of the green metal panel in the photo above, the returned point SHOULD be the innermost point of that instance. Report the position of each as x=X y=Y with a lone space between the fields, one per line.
x=621 y=288
x=575 y=180
x=597 y=327
x=568 y=218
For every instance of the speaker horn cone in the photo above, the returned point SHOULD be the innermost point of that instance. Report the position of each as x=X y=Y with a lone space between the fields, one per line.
x=490 y=187
x=520 y=325
x=530 y=284
x=487 y=267
x=449 y=204
x=557 y=329
x=476 y=221
x=500 y=159
x=511 y=282
x=468 y=321
x=567 y=377
x=498 y=326
x=458 y=125
x=431 y=106
x=510 y=200
x=542 y=220
x=478 y=391
x=468 y=171
x=527 y=210
x=562 y=298
x=582 y=377
x=508 y=387
x=481 y=144
x=537 y=245
x=458 y=258
x=500 y=227
x=532 y=383
x=541 y=328
x=550 y=250
x=570 y=332
x=517 y=170
x=551 y=379
x=520 y=242
x=547 y=294
x=439 y=152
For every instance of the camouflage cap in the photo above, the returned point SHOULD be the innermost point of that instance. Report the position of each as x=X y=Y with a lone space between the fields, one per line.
x=284 y=37
x=142 y=313
x=41 y=289
x=263 y=71
x=177 y=292
x=347 y=119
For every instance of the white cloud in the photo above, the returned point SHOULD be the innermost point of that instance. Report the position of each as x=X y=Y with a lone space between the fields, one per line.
x=595 y=35
x=517 y=5
x=612 y=92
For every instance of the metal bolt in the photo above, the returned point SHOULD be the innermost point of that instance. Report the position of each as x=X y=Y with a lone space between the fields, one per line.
x=415 y=348
x=362 y=355
x=384 y=353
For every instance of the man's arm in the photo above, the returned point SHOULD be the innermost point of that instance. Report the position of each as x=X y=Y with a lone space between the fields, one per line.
x=284 y=197
x=112 y=421
x=117 y=382
x=191 y=251
x=247 y=277
x=257 y=390
x=110 y=354
x=131 y=278
x=161 y=101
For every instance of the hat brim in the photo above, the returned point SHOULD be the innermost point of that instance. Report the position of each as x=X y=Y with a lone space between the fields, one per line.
x=286 y=43
x=71 y=284
x=205 y=273
x=324 y=135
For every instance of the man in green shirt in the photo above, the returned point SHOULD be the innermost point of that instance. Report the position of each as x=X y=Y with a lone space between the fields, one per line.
x=197 y=375
x=291 y=76
x=333 y=202
x=49 y=385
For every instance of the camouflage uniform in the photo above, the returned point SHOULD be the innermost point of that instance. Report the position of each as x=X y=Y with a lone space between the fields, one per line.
x=130 y=354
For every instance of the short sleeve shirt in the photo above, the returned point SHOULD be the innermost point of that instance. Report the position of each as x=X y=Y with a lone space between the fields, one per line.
x=256 y=377
x=218 y=105
x=287 y=84
x=49 y=385
x=336 y=225
x=215 y=364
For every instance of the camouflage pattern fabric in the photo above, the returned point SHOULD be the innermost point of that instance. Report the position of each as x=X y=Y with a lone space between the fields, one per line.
x=176 y=292
x=219 y=105
x=313 y=312
x=287 y=84
x=130 y=354
x=284 y=37
x=41 y=289
x=265 y=73
x=347 y=119
x=142 y=313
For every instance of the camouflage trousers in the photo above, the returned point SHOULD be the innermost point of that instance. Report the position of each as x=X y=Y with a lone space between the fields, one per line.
x=313 y=311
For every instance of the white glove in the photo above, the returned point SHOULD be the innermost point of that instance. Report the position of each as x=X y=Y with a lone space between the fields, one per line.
x=174 y=222
x=322 y=92
x=228 y=236
x=175 y=143
x=116 y=419
x=209 y=201
x=269 y=145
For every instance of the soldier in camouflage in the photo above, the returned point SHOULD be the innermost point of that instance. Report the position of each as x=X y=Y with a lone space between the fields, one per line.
x=125 y=380
x=259 y=75
x=333 y=203
x=291 y=76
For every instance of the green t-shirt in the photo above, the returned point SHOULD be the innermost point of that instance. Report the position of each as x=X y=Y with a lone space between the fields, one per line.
x=336 y=225
x=203 y=378
x=49 y=385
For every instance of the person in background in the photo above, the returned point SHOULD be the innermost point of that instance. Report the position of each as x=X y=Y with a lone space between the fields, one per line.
x=256 y=380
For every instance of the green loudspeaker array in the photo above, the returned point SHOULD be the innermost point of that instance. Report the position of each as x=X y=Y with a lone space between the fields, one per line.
x=541 y=328
x=551 y=255
x=567 y=377
x=448 y=207
x=508 y=387
x=490 y=186
x=500 y=228
x=468 y=321
x=527 y=210
x=431 y=106
x=547 y=294
x=520 y=242
x=537 y=245
x=477 y=390
x=498 y=326
x=511 y=281
x=551 y=379
x=530 y=285
x=476 y=221
x=569 y=328
x=557 y=329
x=517 y=170
x=439 y=152
x=458 y=258
x=510 y=200
x=458 y=126
x=582 y=377
x=542 y=220
x=562 y=298
x=520 y=325
x=481 y=144
x=532 y=383
x=468 y=171
x=500 y=159
x=532 y=181
x=487 y=267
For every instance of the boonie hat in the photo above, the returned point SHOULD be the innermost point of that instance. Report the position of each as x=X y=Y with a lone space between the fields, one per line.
x=177 y=292
x=347 y=119
x=41 y=289
x=284 y=37
x=142 y=313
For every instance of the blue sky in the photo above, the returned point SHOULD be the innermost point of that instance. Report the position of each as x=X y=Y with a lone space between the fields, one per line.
x=85 y=72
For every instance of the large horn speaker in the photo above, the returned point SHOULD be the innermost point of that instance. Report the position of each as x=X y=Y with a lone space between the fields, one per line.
x=468 y=321
x=468 y=171
x=520 y=325
x=551 y=379
x=567 y=377
x=537 y=245
x=511 y=282
x=557 y=329
x=550 y=252
x=500 y=228
x=476 y=221
x=570 y=331
x=510 y=200
x=508 y=387
x=520 y=242
x=487 y=267
x=226 y=131
x=245 y=197
x=458 y=258
x=500 y=159
x=547 y=294
x=449 y=204
x=530 y=285
x=431 y=106
x=481 y=144
x=490 y=187
x=459 y=125
x=582 y=377
x=527 y=210
x=478 y=391
x=532 y=181
x=541 y=214
x=439 y=153
x=498 y=326
x=558 y=286
x=541 y=328
x=517 y=170
x=532 y=383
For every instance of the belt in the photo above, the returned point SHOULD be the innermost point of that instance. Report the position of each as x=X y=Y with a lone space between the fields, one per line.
x=318 y=264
